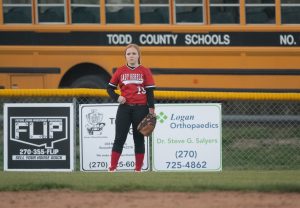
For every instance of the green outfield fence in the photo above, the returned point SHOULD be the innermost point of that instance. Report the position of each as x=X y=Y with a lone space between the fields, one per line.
x=260 y=131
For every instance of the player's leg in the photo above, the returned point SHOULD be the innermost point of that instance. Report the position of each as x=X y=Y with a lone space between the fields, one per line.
x=139 y=143
x=123 y=122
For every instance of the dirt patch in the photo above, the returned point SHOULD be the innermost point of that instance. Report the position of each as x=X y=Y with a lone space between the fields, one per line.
x=75 y=199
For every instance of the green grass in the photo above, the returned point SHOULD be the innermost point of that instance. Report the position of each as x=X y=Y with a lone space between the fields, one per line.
x=262 y=181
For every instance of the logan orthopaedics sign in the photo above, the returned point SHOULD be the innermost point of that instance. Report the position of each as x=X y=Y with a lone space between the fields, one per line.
x=187 y=137
x=38 y=137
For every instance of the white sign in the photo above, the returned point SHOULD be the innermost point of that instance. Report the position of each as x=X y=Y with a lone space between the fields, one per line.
x=97 y=134
x=187 y=137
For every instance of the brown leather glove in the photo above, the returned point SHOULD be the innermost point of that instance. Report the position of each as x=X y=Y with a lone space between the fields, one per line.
x=147 y=125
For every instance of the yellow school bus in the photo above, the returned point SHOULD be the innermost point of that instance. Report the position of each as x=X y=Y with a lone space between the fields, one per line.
x=208 y=45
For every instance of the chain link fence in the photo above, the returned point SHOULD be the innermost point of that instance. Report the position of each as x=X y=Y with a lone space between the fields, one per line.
x=256 y=135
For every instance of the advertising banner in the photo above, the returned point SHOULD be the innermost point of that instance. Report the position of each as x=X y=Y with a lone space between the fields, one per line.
x=97 y=134
x=187 y=137
x=38 y=137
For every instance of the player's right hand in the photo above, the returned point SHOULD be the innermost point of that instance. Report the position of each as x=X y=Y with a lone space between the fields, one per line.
x=121 y=99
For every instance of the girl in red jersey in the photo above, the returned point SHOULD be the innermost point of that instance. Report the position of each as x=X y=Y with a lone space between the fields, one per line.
x=136 y=101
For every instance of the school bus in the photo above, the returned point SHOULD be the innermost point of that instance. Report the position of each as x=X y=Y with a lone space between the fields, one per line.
x=208 y=45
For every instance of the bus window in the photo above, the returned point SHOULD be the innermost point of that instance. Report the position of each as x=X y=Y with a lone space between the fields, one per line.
x=51 y=11
x=290 y=11
x=85 y=11
x=190 y=11
x=119 y=11
x=260 y=11
x=224 y=12
x=154 y=12
x=17 y=11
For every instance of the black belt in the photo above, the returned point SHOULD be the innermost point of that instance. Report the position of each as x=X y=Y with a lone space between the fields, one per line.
x=134 y=104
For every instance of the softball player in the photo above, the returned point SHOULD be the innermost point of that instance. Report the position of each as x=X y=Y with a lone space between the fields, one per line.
x=136 y=101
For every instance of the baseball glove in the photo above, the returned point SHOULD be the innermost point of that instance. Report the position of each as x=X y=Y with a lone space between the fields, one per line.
x=147 y=125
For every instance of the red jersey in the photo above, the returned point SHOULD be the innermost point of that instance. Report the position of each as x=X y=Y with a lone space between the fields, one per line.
x=132 y=83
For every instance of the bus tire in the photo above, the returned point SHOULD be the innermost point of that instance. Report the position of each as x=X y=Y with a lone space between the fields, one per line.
x=90 y=81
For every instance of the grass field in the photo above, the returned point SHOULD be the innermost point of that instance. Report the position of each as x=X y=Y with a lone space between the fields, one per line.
x=262 y=181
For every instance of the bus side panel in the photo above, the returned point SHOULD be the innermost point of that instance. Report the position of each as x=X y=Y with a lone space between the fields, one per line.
x=249 y=69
